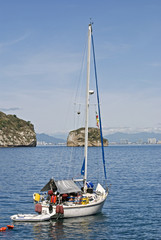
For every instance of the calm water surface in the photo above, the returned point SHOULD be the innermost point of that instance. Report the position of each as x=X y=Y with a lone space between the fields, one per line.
x=132 y=209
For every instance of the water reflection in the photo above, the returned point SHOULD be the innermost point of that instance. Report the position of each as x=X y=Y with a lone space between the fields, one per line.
x=72 y=228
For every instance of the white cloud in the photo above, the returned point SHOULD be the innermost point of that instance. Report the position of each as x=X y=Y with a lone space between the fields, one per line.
x=155 y=64
x=10 y=109
x=54 y=66
x=138 y=111
x=131 y=130
x=111 y=47
x=3 y=45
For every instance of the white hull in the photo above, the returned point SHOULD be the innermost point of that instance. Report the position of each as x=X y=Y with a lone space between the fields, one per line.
x=69 y=212
x=83 y=210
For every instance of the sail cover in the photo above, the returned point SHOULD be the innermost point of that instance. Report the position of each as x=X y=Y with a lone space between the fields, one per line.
x=67 y=186
x=50 y=185
x=61 y=186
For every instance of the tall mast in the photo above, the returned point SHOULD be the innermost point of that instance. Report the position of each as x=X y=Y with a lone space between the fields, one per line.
x=87 y=105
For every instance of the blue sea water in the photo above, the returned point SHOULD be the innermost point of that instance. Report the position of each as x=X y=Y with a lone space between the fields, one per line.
x=131 y=211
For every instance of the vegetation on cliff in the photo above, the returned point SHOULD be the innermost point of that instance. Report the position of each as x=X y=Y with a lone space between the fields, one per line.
x=76 y=138
x=15 y=132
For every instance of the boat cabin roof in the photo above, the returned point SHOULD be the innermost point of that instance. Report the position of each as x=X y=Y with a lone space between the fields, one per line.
x=61 y=186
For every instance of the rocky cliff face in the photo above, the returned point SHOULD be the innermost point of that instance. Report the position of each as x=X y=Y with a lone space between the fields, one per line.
x=76 y=138
x=15 y=132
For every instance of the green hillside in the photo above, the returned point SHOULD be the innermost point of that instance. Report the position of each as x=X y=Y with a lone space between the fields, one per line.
x=16 y=132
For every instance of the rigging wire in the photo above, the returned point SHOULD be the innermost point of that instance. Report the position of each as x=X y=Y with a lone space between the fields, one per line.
x=80 y=82
x=103 y=156
x=78 y=106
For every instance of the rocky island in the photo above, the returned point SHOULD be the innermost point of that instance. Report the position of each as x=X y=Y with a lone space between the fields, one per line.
x=76 y=138
x=15 y=132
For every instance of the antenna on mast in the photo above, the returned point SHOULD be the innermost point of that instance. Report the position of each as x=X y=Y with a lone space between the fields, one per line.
x=91 y=22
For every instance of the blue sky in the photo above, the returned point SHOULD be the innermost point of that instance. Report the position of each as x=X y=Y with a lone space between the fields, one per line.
x=41 y=45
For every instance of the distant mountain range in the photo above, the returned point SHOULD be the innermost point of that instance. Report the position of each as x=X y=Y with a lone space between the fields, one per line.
x=132 y=137
x=49 y=139
x=116 y=138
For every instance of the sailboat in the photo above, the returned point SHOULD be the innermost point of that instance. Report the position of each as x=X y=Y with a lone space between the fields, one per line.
x=64 y=198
